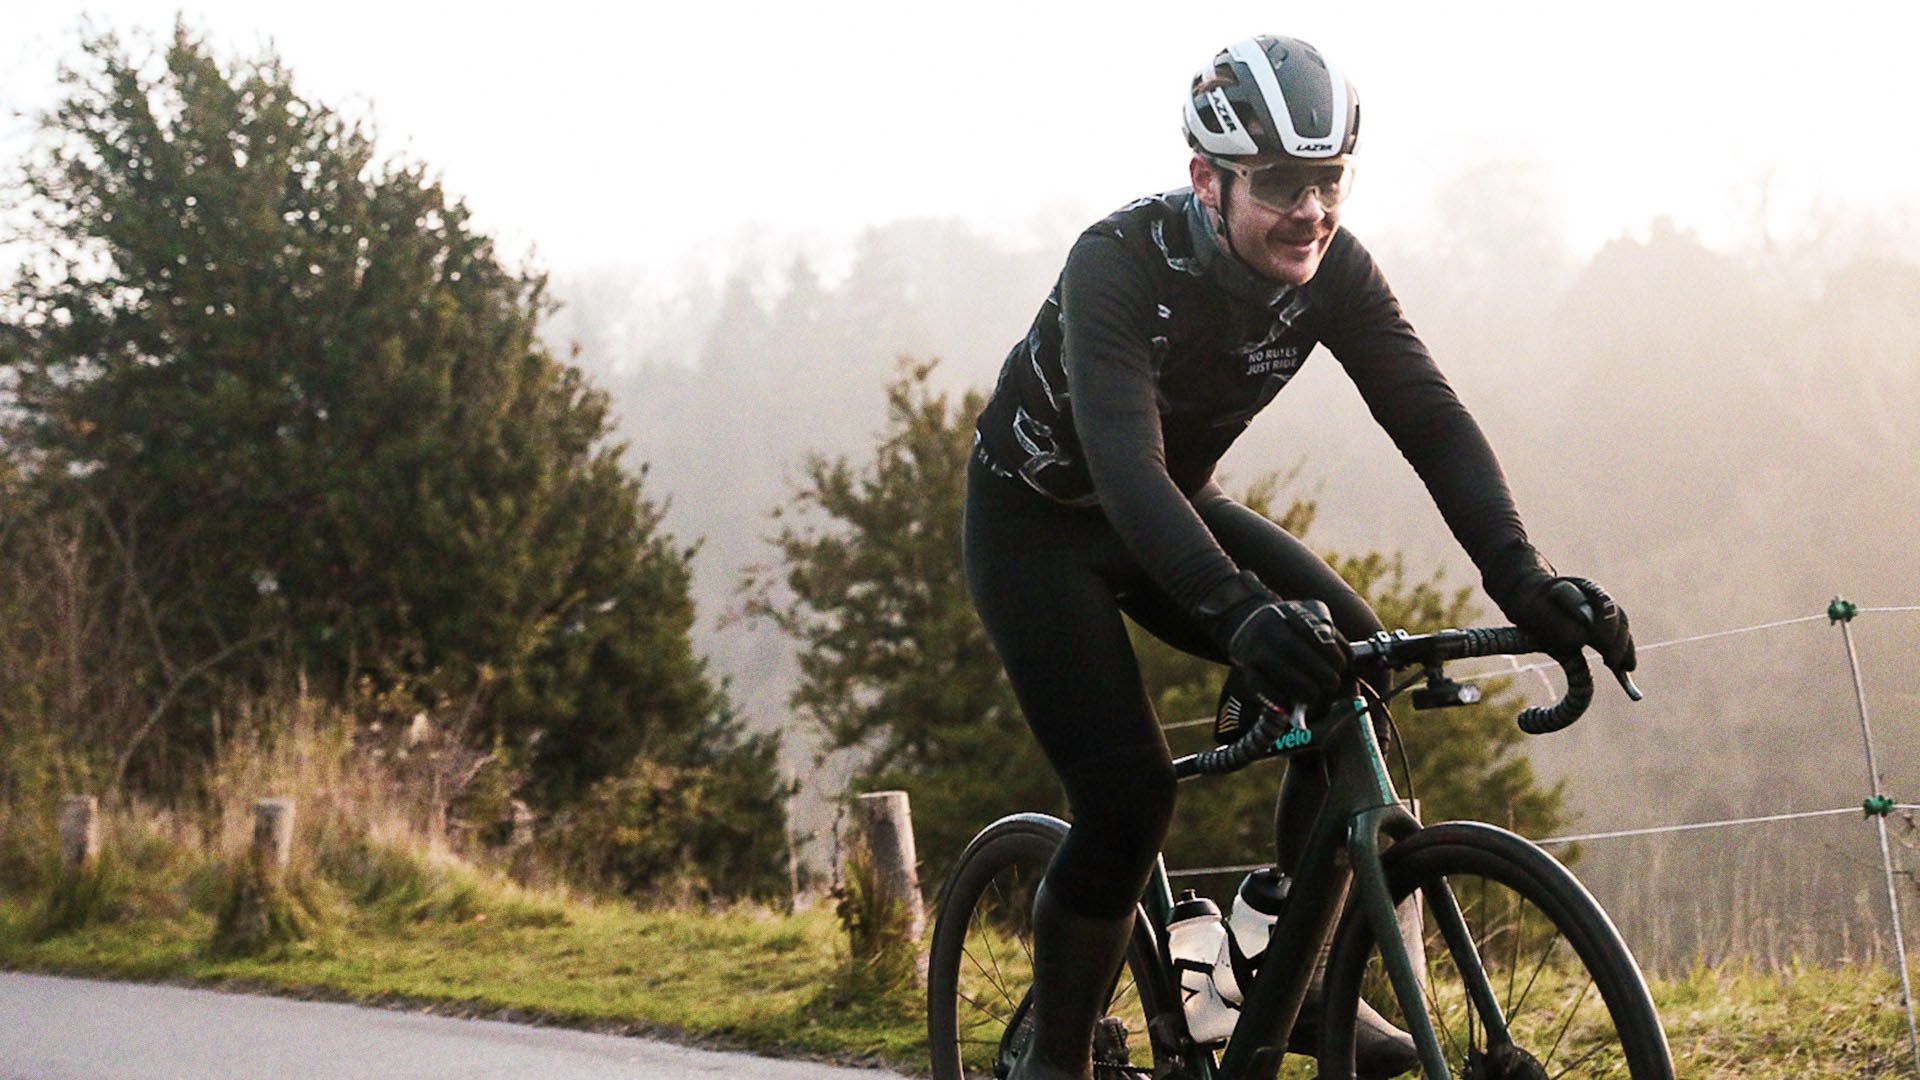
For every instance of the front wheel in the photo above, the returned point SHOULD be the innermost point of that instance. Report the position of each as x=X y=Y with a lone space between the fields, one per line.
x=1529 y=981
x=980 y=965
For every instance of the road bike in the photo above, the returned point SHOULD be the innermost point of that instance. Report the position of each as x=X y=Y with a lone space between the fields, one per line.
x=1512 y=970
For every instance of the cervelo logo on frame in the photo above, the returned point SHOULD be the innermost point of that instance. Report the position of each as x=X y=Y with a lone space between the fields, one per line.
x=1294 y=739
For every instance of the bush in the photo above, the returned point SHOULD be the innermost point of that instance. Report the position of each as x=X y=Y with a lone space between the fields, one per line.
x=633 y=834
x=29 y=854
x=406 y=884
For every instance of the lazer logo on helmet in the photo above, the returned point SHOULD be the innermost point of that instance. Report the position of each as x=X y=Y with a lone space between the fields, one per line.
x=1223 y=109
x=1312 y=148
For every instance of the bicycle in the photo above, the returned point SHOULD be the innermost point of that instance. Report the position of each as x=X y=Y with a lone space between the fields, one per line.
x=1516 y=950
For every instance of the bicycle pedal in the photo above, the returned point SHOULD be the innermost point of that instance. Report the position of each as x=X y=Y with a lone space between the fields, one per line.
x=1110 y=1043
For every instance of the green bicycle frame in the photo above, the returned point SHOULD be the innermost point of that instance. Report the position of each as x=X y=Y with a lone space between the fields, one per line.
x=1342 y=855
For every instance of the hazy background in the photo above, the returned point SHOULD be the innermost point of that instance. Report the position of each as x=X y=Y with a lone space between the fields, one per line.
x=1668 y=260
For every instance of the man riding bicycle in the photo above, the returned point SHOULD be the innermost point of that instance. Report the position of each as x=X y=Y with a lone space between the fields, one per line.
x=1090 y=495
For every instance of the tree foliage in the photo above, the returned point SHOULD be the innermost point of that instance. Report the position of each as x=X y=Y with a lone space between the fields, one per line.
x=298 y=404
x=896 y=666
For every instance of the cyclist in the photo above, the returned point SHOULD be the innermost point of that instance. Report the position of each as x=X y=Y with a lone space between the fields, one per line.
x=1090 y=495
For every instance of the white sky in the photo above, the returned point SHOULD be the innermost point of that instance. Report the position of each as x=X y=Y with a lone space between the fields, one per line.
x=659 y=134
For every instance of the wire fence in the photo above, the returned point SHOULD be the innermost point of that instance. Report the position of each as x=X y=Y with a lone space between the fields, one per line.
x=1875 y=807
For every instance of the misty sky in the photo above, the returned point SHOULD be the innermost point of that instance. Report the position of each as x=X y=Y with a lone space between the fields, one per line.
x=669 y=135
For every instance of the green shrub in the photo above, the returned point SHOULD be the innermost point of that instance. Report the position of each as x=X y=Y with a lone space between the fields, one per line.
x=633 y=834
x=80 y=898
x=29 y=853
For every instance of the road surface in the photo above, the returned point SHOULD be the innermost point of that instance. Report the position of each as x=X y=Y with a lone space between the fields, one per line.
x=55 y=1028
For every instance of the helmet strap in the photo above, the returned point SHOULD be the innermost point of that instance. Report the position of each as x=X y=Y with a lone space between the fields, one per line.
x=1226 y=232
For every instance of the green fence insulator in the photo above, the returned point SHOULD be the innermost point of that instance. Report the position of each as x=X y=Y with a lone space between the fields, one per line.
x=1841 y=610
x=1877 y=806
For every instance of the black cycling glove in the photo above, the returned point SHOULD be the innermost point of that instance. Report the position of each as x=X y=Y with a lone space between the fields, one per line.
x=1288 y=649
x=1563 y=613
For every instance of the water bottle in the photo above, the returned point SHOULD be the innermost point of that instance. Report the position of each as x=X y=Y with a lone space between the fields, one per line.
x=1256 y=906
x=1196 y=939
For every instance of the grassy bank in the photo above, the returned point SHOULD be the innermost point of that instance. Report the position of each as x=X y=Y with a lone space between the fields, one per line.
x=748 y=978
x=757 y=980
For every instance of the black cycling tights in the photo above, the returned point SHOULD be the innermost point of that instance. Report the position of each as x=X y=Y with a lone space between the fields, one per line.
x=1051 y=583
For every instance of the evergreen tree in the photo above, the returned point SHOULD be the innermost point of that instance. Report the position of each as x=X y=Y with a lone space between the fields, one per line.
x=302 y=403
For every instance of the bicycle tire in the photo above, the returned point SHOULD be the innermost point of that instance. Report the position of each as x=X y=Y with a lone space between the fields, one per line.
x=975 y=990
x=1511 y=894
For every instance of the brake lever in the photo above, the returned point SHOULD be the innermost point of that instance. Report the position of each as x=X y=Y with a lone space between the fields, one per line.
x=1625 y=679
x=1626 y=683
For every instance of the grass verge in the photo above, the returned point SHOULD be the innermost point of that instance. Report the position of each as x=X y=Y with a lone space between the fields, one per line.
x=746 y=979
x=755 y=980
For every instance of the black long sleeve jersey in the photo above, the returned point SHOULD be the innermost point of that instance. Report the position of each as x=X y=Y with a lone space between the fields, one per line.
x=1154 y=351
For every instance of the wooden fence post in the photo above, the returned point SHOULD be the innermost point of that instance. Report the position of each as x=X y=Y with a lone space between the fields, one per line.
x=79 y=832
x=273 y=834
x=886 y=822
x=886 y=825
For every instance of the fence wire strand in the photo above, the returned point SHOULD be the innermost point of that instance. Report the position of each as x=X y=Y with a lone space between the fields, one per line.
x=1616 y=834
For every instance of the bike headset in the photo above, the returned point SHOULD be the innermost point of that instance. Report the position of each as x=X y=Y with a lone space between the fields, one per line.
x=1270 y=99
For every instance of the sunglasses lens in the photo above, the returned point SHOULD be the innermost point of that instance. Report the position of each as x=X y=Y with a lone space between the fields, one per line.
x=1285 y=187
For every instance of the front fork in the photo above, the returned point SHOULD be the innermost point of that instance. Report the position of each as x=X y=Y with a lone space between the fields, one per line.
x=1376 y=904
x=1391 y=818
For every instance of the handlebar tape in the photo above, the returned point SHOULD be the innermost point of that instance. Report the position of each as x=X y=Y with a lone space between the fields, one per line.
x=1506 y=640
x=1254 y=743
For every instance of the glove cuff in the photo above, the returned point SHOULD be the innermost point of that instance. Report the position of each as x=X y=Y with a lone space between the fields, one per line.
x=1226 y=606
x=1510 y=573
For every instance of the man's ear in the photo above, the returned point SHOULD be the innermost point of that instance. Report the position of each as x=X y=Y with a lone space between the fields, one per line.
x=1206 y=182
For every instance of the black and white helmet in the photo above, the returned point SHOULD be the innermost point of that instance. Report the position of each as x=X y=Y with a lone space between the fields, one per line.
x=1272 y=97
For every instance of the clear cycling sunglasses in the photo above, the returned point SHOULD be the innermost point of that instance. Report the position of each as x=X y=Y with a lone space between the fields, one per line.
x=1284 y=187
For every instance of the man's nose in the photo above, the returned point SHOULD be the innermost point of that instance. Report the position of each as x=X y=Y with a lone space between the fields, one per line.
x=1309 y=207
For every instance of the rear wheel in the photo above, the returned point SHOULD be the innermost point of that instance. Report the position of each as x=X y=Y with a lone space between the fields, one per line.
x=981 y=963
x=1558 y=992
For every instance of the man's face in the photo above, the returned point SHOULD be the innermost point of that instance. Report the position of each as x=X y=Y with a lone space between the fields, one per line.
x=1285 y=248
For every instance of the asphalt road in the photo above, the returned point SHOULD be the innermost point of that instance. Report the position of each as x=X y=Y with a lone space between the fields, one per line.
x=73 y=1029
